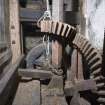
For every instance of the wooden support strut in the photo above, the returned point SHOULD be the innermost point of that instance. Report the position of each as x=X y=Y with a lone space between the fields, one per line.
x=57 y=14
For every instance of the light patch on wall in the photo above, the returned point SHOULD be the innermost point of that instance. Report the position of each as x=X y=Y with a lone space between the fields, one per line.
x=95 y=14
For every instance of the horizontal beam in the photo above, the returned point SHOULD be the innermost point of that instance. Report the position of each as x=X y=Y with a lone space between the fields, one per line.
x=82 y=85
x=27 y=14
x=34 y=73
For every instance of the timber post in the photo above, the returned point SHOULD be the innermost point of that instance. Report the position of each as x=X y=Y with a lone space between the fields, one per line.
x=15 y=30
x=57 y=15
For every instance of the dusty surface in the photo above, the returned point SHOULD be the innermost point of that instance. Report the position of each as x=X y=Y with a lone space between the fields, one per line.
x=26 y=93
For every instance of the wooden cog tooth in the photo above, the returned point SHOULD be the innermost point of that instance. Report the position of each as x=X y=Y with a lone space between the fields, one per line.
x=78 y=41
x=71 y=35
x=93 y=52
x=86 y=47
x=46 y=26
x=75 y=41
x=99 y=85
x=93 y=61
x=96 y=71
x=42 y=26
x=97 y=78
x=64 y=29
x=59 y=28
x=83 y=42
x=92 y=76
x=100 y=77
x=101 y=100
x=89 y=50
x=49 y=26
x=68 y=31
x=83 y=46
x=54 y=27
x=94 y=65
x=97 y=54
x=90 y=57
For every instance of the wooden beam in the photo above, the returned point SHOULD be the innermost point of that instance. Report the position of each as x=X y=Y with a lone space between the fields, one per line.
x=80 y=85
x=14 y=29
x=57 y=15
x=72 y=74
x=56 y=53
x=34 y=73
x=80 y=67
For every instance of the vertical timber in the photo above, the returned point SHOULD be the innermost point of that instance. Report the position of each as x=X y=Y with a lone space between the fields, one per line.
x=57 y=15
x=14 y=29
x=2 y=27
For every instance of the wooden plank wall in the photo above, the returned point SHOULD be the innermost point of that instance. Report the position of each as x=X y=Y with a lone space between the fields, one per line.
x=15 y=29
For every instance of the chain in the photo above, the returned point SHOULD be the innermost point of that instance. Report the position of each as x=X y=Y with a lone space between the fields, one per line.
x=46 y=43
x=46 y=15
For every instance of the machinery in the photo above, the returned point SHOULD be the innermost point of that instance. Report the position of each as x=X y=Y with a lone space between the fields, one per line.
x=78 y=80
x=62 y=87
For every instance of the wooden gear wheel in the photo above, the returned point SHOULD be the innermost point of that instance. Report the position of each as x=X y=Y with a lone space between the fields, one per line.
x=80 y=43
